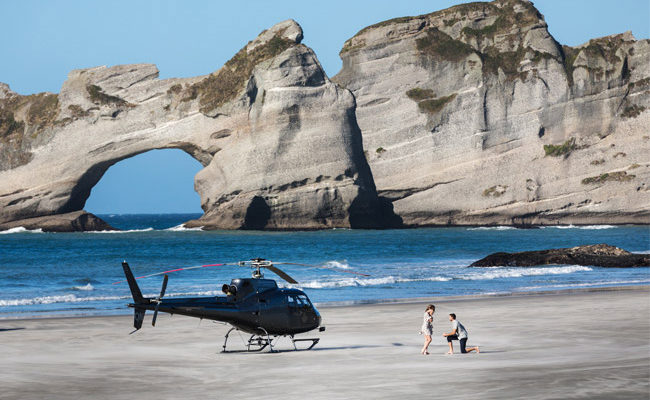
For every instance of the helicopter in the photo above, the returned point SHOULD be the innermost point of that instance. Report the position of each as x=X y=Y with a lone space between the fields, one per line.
x=255 y=305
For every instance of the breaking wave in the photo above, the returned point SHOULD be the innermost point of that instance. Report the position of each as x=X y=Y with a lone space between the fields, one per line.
x=492 y=273
x=85 y=288
x=368 y=282
x=336 y=264
x=72 y=298
x=589 y=227
x=67 y=298
x=501 y=272
x=182 y=228
x=20 y=229
x=491 y=228
x=127 y=231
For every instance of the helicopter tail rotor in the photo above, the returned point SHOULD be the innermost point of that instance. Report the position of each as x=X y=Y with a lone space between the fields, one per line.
x=158 y=300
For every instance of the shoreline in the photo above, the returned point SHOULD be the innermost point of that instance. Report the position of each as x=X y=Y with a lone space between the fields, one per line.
x=13 y=227
x=380 y=302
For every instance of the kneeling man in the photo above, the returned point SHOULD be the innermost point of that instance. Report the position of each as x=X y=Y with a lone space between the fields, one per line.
x=458 y=333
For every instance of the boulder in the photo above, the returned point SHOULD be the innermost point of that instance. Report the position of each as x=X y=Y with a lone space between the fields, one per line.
x=68 y=222
x=598 y=255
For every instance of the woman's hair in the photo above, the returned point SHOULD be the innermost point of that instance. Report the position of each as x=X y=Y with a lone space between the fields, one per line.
x=431 y=307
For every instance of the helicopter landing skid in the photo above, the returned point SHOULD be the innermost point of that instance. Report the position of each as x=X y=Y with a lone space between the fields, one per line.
x=257 y=343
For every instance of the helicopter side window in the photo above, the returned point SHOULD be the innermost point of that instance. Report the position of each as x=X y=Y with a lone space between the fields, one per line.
x=298 y=301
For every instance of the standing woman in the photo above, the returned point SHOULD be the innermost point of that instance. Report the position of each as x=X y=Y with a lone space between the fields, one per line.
x=427 y=327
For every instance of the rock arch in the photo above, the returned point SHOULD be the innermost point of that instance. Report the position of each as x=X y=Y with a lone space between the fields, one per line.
x=269 y=128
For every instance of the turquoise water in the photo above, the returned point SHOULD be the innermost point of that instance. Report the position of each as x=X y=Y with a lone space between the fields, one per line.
x=49 y=274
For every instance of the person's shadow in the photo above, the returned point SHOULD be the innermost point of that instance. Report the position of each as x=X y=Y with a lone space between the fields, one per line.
x=10 y=329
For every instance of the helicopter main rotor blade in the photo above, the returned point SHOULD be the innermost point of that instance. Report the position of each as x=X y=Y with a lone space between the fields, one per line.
x=178 y=269
x=346 y=271
x=280 y=273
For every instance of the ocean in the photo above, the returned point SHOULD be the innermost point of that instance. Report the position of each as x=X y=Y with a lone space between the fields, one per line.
x=66 y=274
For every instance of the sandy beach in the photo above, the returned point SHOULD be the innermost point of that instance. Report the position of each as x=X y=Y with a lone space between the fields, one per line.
x=591 y=344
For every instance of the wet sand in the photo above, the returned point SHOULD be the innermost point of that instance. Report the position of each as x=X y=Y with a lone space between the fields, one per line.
x=579 y=345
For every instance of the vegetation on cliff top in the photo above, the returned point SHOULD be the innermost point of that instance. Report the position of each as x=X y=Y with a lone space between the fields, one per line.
x=224 y=85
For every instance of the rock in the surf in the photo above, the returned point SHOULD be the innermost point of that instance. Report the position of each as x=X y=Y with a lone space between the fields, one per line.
x=69 y=222
x=598 y=255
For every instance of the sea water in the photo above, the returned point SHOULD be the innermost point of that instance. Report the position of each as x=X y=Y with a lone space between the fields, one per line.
x=51 y=274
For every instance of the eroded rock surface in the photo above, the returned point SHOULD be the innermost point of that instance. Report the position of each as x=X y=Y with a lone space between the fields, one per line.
x=599 y=255
x=279 y=142
x=476 y=115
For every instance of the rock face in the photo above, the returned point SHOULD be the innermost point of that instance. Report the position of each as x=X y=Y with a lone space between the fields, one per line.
x=599 y=255
x=279 y=141
x=476 y=115
x=470 y=115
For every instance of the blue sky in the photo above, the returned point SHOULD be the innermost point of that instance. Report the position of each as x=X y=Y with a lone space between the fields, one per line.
x=42 y=41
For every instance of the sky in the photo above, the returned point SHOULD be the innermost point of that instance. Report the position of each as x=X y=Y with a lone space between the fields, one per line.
x=42 y=41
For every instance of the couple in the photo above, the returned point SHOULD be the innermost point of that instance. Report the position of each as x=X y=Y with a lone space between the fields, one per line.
x=458 y=332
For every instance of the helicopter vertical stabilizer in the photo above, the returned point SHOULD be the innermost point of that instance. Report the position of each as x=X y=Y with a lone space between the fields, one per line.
x=138 y=316
x=133 y=285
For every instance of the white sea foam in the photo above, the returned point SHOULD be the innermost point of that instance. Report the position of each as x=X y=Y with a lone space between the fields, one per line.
x=501 y=272
x=588 y=227
x=641 y=252
x=485 y=274
x=182 y=228
x=67 y=298
x=491 y=228
x=358 y=282
x=20 y=229
x=72 y=298
x=86 y=288
x=336 y=264
x=127 y=231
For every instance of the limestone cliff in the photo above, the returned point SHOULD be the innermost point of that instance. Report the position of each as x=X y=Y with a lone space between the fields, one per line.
x=476 y=115
x=279 y=141
x=469 y=115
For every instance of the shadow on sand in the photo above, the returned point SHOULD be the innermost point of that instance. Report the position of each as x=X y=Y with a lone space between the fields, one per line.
x=10 y=329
